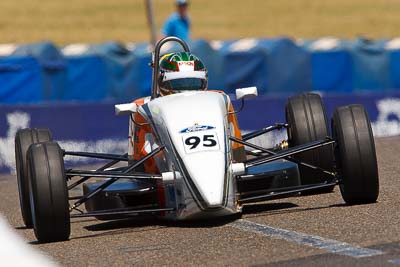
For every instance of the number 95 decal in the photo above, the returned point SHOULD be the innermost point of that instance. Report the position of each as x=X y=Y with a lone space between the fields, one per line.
x=200 y=141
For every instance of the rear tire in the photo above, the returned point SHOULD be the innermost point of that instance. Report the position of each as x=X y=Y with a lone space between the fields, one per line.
x=305 y=115
x=355 y=155
x=49 y=193
x=23 y=139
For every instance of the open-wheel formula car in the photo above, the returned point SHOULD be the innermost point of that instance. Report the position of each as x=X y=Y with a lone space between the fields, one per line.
x=187 y=159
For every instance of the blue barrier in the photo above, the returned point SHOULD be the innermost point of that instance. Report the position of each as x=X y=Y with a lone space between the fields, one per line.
x=371 y=65
x=142 y=71
x=94 y=127
x=20 y=80
x=331 y=66
x=335 y=78
x=86 y=79
x=394 y=61
x=120 y=66
x=53 y=68
x=274 y=65
x=113 y=71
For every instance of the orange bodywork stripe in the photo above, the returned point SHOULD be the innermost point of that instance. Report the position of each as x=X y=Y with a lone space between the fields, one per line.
x=139 y=140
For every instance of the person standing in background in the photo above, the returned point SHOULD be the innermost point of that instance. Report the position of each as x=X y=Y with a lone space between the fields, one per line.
x=178 y=24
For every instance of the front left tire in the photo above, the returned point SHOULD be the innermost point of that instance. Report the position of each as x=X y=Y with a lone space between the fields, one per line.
x=307 y=122
x=355 y=155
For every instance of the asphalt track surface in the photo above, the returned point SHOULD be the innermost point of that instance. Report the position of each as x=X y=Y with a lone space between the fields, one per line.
x=303 y=231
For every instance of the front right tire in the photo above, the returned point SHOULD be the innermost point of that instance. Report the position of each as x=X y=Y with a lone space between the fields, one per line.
x=24 y=138
x=49 y=192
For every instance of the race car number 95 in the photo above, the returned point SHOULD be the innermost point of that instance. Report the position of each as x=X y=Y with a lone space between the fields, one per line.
x=200 y=141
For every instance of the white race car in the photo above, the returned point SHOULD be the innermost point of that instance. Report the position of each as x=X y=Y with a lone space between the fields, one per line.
x=187 y=159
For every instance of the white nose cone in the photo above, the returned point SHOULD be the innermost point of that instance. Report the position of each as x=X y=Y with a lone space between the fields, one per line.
x=208 y=176
x=196 y=123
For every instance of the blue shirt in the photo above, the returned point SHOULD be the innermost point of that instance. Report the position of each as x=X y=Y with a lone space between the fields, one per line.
x=177 y=26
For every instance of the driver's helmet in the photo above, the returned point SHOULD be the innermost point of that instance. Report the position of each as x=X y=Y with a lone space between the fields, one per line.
x=181 y=71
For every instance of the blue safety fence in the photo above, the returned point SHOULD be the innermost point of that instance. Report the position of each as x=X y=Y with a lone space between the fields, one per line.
x=94 y=127
x=52 y=66
x=331 y=66
x=121 y=69
x=43 y=72
x=273 y=65
x=371 y=65
x=87 y=78
x=21 y=80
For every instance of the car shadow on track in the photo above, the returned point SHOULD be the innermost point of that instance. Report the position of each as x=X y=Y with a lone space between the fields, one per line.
x=124 y=226
x=122 y=223
x=137 y=222
x=198 y=223
x=143 y=223
x=267 y=207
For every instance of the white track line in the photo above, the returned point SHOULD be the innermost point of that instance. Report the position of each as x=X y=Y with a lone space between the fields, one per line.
x=330 y=245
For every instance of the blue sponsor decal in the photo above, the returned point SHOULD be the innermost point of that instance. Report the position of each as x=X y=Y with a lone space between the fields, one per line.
x=196 y=128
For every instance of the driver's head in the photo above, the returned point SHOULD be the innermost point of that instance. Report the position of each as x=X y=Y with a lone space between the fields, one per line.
x=181 y=71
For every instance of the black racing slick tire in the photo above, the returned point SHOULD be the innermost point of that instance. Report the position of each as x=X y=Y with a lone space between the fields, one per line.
x=49 y=193
x=24 y=138
x=307 y=122
x=355 y=155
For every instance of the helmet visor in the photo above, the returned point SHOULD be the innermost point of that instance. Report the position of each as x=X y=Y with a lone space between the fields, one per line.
x=185 y=84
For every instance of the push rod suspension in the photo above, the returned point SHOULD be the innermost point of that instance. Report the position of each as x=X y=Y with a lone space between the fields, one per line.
x=102 y=168
x=110 y=174
x=121 y=212
x=285 y=157
x=148 y=156
x=254 y=134
x=113 y=180
x=289 y=152
x=96 y=155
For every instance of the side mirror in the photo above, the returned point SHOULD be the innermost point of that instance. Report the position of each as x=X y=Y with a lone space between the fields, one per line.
x=124 y=109
x=248 y=92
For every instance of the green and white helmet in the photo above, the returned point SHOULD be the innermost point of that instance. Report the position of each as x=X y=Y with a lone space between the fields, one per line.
x=181 y=71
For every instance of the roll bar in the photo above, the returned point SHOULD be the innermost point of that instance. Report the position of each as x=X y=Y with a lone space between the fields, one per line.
x=156 y=57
